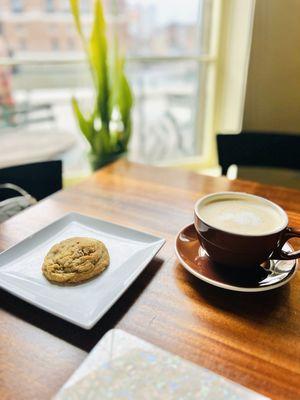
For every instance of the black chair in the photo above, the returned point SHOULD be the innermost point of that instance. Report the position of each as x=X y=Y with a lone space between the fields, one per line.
x=255 y=149
x=39 y=179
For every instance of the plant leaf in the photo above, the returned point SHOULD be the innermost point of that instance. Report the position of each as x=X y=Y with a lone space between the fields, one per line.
x=76 y=14
x=85 y=125
x=121 y=95
x=111 y=91
x=126 y=98
x=98 y=60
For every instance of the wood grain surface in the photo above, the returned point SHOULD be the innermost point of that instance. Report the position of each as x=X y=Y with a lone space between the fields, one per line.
x=252 y=339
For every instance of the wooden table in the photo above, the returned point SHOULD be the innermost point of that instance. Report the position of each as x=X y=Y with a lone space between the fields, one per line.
x=252 y=339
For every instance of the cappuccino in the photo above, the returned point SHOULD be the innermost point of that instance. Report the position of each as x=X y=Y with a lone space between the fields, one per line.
x=243 y=216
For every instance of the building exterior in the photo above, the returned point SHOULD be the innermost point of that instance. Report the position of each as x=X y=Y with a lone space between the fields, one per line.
x=45 y=26
x=28 y=27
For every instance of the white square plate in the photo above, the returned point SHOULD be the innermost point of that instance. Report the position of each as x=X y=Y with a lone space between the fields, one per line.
x=130 y=252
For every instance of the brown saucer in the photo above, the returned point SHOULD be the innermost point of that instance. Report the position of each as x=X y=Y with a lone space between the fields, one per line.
x=269 y=275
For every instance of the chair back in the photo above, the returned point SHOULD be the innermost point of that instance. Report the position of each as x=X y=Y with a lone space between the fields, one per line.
x=38 y=179
x=255 y=149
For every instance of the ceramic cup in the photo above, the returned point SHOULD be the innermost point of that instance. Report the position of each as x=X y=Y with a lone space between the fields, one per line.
x=243 y=250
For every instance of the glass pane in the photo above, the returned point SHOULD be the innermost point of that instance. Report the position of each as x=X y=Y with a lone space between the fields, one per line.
x=159 y=27
x=164 y=116
x=39 y=105
x=29 y=28
x=165 y=104
x=167 y=94
x=146 y=27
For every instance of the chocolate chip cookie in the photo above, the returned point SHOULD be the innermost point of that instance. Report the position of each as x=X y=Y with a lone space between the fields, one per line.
x=75 y=260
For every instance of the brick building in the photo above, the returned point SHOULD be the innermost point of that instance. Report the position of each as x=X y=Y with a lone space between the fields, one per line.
x=30 y=26
x=46 y=26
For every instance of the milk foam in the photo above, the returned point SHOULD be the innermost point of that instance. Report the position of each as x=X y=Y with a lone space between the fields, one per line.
x=241 y=215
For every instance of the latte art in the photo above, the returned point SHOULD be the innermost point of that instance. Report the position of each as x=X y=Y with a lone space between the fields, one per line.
x=241 y=215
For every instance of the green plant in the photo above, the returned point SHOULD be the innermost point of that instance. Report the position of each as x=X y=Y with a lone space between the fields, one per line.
x=108 y=126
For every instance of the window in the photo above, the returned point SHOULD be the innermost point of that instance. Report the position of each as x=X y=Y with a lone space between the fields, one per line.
x=22 y=44
x=65 y=6
x=16 y=6
x=55 y=44
x=169 y=60
x=52 y=28
x=85 y=7
x=71 y=43
x=49 y=6
x=168 y=48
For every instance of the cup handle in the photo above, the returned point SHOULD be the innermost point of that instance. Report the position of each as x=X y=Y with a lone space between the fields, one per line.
x=280 y=254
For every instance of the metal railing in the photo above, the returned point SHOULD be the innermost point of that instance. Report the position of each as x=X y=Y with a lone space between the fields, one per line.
x=164 y=131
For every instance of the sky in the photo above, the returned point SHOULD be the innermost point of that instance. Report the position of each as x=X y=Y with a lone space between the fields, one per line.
x=172 y=10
